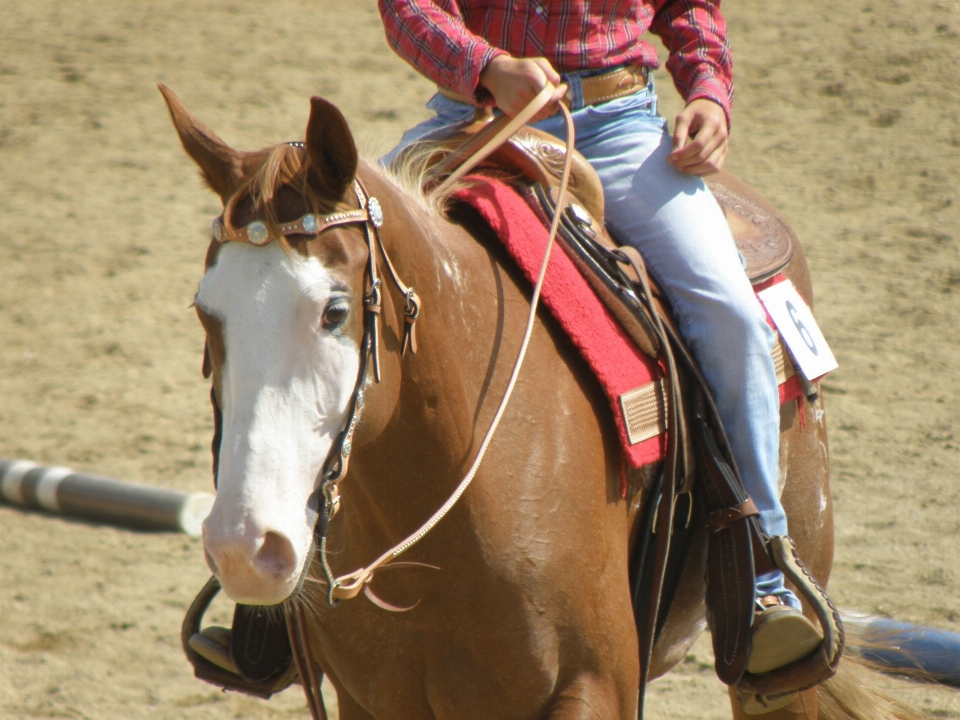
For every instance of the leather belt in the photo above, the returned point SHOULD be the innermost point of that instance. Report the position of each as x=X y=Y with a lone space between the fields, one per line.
x=596 y=89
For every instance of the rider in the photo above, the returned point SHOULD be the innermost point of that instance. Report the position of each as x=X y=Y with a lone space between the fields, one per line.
x=504 y=53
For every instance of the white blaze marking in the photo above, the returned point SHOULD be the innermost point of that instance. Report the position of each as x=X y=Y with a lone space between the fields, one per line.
x=286 y=384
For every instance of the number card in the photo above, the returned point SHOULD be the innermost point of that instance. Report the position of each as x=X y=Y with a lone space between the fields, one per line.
x=799 y=330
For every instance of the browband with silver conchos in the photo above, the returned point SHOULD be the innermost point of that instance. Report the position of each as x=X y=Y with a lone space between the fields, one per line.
x=258 y=235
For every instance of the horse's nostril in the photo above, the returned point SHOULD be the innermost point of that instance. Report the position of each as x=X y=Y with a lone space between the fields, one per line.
x=276 y=557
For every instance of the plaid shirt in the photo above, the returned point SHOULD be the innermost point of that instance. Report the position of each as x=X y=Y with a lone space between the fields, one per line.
x=451 y=41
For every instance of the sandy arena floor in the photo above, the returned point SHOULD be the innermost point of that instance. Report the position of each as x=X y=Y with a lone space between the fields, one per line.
x=847 y=118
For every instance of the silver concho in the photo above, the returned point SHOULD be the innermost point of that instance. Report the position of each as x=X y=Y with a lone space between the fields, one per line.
x=582 y=216
x=376 y=212
x=217 y=229
x=257 y=233
x=310 y=224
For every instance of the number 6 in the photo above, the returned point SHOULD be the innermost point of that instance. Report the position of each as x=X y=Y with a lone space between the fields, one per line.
x=801 y=328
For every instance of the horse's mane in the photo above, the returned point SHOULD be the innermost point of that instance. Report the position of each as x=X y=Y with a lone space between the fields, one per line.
x=274 y=168
x=414 y=170
x=289 y=165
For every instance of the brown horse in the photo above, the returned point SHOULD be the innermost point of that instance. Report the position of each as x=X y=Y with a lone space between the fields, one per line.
x=521 y=602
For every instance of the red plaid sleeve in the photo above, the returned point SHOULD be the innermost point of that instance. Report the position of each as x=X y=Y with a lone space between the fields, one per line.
x=695 y=33
x=431 y=36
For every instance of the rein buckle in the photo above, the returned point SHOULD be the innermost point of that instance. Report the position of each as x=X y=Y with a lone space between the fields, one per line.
x=411 y=312
x=331 y=492
x=373 y=300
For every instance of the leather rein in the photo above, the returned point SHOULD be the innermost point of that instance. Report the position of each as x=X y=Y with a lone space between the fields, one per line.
x=352 y=584
x=370 y=215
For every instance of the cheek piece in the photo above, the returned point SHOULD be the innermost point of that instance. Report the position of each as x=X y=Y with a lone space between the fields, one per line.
x=325 y=502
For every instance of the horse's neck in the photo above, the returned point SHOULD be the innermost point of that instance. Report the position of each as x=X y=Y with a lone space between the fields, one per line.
x=403 y=474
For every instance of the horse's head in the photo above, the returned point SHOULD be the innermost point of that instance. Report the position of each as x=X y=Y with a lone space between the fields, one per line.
x=283 y=315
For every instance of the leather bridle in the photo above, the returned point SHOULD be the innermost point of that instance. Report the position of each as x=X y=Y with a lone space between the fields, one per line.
x=335 y=466
x=370 y=214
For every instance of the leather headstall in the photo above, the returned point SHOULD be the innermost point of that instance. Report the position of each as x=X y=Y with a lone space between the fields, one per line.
x=215 y=652
x=370 y=214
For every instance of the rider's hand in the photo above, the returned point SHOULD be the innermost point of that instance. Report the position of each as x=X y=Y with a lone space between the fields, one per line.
x=700 y=138
x=514 y=82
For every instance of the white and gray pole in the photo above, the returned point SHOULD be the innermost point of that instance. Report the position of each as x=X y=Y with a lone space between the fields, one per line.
x=66 y=492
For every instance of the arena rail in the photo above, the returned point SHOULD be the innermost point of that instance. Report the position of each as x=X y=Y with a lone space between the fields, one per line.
x=90 y=497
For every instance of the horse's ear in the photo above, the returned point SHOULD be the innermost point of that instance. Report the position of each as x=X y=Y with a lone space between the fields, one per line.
x=220 y=164
x=331 y=149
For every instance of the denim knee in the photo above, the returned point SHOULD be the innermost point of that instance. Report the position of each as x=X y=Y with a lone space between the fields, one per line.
x=728 y=327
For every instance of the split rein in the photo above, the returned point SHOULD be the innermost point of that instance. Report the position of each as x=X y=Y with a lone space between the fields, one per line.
x=349 y=586
x=370 y=214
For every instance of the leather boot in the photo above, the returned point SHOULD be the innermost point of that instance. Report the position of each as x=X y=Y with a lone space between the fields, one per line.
x=781 y=635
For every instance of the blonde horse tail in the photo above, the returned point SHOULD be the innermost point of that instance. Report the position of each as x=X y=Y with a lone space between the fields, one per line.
x=860 y=692
x=857 y=692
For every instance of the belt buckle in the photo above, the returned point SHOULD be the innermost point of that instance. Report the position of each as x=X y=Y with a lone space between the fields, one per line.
x=629 y=79
x=639 y=74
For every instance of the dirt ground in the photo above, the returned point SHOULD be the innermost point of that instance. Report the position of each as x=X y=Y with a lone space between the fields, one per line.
x=847 y=118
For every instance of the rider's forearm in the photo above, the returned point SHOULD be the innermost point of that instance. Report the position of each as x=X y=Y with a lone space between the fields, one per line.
x=695 y=33
x=431 y=36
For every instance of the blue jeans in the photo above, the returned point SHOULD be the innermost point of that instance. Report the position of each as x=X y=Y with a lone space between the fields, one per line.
x=675 y=223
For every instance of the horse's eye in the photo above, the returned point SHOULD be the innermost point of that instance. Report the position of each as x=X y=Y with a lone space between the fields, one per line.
x=335 y=314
